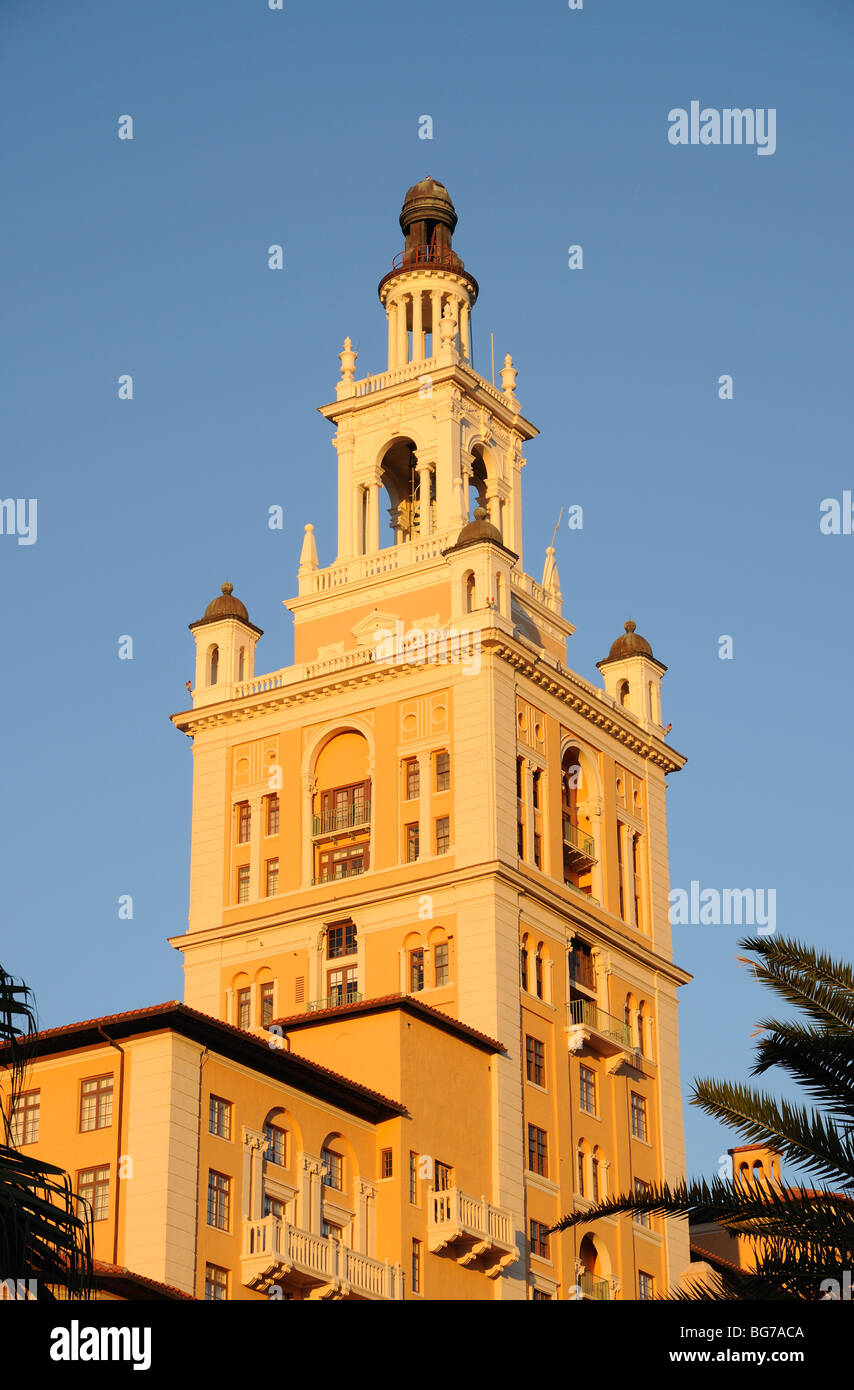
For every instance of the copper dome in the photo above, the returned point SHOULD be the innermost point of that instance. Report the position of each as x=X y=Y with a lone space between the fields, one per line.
x=629 y=644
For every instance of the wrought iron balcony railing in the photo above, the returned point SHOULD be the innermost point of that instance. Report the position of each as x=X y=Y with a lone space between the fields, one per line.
x=343 y=818
x=585 y=1012
x=578 y=842
x=334 y=1001
x=592 y=1286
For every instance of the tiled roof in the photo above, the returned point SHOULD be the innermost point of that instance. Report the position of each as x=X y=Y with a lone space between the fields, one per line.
x=386 y=1002
x=104 y=1271
x=174 y=1014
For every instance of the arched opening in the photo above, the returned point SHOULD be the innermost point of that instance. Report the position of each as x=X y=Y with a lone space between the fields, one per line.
x=213 y=665
x=477 y=482
x=402 y=483
x=579 y=854
x=641 y=1029
x=581 y=1169
x=241 y=664
x=524 y=964
x=470 y=599
x=341 y=808
x=623 y=693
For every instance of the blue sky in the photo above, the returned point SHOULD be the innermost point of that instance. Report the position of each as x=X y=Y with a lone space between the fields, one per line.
x=300 y=127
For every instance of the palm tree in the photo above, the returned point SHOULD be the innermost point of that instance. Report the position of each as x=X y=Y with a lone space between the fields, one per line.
x=45 y=1230
x=803 y=1235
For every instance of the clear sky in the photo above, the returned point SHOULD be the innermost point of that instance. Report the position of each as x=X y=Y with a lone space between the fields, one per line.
x=701 y=516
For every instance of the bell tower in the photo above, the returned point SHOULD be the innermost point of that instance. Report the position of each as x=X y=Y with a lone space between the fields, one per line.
x=426 y=449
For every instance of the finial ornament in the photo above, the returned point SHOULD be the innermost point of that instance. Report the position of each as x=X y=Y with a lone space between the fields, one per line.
x=227 y=587
x=630 y=626
x=347 y=358
x=508 y=376
x=481 y=514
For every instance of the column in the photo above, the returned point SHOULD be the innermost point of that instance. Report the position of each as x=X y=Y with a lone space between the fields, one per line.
x=465 y=313
x=417 y=328
x=402 y=341
x=391 y=315
x=425 y=478
x=256 y=886
x=373 y=516
x=436 y=298
x=309 y=787
x=357 y=519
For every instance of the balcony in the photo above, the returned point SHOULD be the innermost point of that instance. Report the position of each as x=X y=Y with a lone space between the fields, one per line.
x=593 y=1287
x=589 y=1026
x=274 y=1252
x=471 y=1231
x=356 y=817
x=579 y=850
x=335 y=872
x=334 y=1001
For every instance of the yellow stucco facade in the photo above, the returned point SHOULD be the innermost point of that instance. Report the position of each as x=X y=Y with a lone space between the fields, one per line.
x=427 y=806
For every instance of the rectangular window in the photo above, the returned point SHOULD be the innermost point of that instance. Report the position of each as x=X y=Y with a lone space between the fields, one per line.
x=587 y=1090
x=443 y=834
x=412 y=776
x=219 y=1117
x=535 y=1060
x=538 y=851
x=639 y=1127
x=277 y=1145
x=219 y=1200
x=413 y=1178
x=216 y=1283
x=535 y=787
x=581 y=964
x=537 y=1151
x=343 y=863
x=441 y=959
x=621 y=869
x=25 y=1120
x=343 y=808
x=641 y=1217
x=416 y=1266
x=96 y=1103
x=341 y=941
x=244 y=822
x=274 y=1207
x=330 y=1231
x=386 y=1163
x=519 y=778
x=244 y=1008
x=539 y=1240
x=646 y=1285
x=540 y=1296
x=272 y=877
x=443 y=772
x=267 y=1004
x=243 y=884
x=416 y=971
x=343 y=986
x=272 y=815
x=520 y=840
x=334 y=1165
x=443 y=1176
x=94 y=1185
x=411 y=832
x=594 y=1165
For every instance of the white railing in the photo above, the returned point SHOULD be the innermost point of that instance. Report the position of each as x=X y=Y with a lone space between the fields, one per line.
x=274 y=1241
x=474 y=1218
x=411 y=371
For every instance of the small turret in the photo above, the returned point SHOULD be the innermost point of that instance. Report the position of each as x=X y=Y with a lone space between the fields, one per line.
x=225 y=647
x=633 y=676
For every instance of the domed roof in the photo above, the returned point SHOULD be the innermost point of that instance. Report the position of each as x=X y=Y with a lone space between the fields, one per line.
x=225 y=605
x=629 y=644
x=481 y=529
x=428 y=199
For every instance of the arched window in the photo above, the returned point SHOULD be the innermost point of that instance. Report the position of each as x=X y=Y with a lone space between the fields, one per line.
x=623 y=693
x=523 y=962
x=641 y=1029
x=213 y=666
x=581 y=1169
x=470 y=593
x=241 y=664
x=539 y=973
